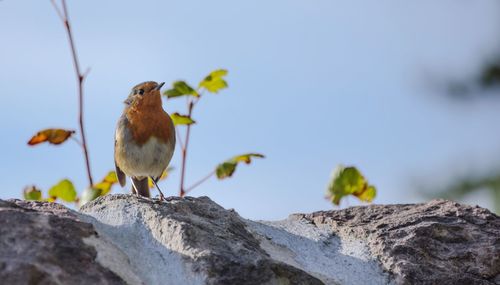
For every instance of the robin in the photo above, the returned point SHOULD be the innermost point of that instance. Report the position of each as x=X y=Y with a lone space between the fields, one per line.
x=144 y=139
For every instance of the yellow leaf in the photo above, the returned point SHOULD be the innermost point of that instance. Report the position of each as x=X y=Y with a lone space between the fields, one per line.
x=367 y=194
x=179 y=119
x=106 y=183
x=247 y=158
x=214 y=81
x=53 y=136
x=110 y=177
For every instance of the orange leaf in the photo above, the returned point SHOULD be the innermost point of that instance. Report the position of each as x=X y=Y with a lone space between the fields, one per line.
x=53 y=136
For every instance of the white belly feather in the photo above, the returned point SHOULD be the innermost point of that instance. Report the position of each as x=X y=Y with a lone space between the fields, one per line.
x=150 y=159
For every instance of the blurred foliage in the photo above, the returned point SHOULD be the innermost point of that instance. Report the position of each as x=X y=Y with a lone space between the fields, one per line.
x=488 y=79
x=347 y=181
x=464 y=186
x=63 y=190
x=106 y=183
x=488 y=83
x=32 y=193
x=490 y=75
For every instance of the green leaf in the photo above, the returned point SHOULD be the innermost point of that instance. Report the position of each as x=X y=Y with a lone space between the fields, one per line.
x=349 y=181
x=107 y=182
x=180 y=88
x=32 y=193
x=89 y=194
x=247 y=157
x=214 y=81
x=111 y=177
x=179 y=119
x=63 y=190
x=367 y=194
x=227 y=168
x=105 y=187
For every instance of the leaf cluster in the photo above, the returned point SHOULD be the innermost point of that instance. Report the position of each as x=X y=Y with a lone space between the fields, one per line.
x=214 y=82
x=347 y=181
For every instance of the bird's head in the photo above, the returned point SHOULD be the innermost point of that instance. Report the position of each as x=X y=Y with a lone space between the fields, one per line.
x=145 y=93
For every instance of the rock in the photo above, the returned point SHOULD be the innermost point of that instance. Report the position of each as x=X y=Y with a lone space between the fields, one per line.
x=123 y=239
x=188 y=241
x=440 y=242
x=42 y=243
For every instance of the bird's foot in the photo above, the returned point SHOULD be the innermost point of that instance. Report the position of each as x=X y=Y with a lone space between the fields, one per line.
x=162 y=198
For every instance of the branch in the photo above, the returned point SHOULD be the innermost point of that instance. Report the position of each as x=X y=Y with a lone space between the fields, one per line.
x=190 y=102
x=184 y=151
x=179 y=138
x=199 y=182
x=80 y=78
x=59 y=13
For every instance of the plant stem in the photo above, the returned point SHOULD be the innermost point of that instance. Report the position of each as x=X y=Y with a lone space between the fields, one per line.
x=184 y=151
x=200 y=181
x=179 y=138
x=80 y=77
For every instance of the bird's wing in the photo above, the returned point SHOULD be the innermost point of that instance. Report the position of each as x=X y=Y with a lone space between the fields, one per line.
x=122 y=123
x=119 y=173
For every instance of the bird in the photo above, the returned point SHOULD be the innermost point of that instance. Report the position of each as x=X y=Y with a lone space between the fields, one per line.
x=144 y=139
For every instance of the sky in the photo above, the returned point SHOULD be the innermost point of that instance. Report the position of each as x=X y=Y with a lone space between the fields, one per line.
x=312 y=84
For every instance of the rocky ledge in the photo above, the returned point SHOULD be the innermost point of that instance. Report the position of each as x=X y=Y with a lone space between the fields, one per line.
x=123 y=239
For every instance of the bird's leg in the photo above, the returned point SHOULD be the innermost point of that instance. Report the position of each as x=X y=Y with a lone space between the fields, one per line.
x=162 y=198
x=134 y=188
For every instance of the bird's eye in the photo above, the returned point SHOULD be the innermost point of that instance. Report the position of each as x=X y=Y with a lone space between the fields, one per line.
x=140 y=91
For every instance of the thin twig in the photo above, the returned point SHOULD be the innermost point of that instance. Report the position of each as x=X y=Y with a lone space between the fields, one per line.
x=199 y=182
x=191 y=103
x=77 y=141
x=87 y=71
x=184 y=151
x=80 y=77
x=179 y=138
x=59 y=13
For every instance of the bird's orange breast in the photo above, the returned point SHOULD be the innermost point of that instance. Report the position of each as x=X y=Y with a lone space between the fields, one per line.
x=148 y=119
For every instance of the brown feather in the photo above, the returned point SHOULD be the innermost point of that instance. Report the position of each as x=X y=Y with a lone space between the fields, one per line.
x=147 y=118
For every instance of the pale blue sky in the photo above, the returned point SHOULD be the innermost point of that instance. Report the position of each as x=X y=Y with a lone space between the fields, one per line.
x=312 y=84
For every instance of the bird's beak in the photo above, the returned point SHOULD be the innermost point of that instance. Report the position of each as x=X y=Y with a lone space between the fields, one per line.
x=159 y=86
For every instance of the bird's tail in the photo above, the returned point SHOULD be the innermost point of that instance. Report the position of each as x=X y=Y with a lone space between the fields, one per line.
x=142 y=186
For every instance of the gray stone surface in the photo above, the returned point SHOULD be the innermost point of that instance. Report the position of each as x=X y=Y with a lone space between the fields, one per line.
x=188 y=241
x=440 y=242
x=43 y=243
x=316 y=250
x=124 y=239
